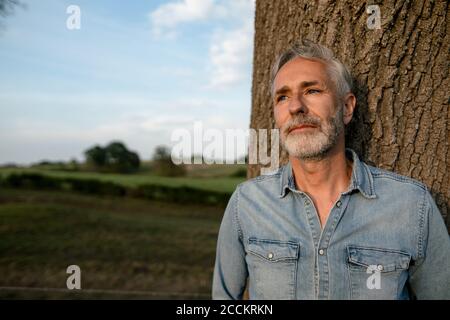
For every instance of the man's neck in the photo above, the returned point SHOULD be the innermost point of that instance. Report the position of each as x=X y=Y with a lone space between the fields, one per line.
x=324 y=179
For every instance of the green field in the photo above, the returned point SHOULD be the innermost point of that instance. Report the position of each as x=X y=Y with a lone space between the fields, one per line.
x=126 y=248
x=206 y=178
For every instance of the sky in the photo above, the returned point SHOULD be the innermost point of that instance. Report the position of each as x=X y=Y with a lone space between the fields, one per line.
x=134 y=71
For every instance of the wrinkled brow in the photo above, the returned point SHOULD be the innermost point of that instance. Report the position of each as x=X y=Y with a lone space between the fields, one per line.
x=303 y=84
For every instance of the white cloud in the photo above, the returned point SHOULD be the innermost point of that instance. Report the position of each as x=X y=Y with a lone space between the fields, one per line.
x=230 y=50
x=230 y=55
x=168 y=16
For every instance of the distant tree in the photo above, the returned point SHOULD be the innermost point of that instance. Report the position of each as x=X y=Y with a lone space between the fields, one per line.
x=115 y=157
x=96 y=156
x=120 y=159
x=9 y=165
x=161 y=153
x=7 y=8
x=163 y=164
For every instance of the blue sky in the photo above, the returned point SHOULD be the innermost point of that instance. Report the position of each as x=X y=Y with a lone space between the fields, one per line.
x=133 y=72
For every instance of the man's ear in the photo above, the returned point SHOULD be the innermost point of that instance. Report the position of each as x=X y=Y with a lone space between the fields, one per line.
x=349 y=107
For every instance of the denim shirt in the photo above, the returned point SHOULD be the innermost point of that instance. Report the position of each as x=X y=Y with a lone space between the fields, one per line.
x=384 y=239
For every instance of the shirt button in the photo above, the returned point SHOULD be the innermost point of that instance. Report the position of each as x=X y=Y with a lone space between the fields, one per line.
x=307 y=203
x=321 y=252
x=338 y=204
x=270 y=255
x=380 y=267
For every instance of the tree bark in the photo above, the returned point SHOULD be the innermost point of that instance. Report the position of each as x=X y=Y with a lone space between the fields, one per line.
x=401 y=74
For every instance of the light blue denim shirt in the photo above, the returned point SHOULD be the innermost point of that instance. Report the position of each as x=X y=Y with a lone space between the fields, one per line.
x=384 y=239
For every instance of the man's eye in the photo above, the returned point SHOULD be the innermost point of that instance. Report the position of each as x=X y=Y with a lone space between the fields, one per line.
x=313 y=91
x=281 y=98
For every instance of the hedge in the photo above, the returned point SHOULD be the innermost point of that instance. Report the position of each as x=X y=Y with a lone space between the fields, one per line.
x=179 y=194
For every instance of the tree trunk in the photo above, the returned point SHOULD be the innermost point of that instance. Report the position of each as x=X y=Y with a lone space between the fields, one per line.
x=401 y=72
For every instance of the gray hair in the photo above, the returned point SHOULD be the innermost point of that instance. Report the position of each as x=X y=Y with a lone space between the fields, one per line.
x=314 y=51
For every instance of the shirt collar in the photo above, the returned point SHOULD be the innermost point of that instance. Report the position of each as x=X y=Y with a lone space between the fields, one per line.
x=361 y=180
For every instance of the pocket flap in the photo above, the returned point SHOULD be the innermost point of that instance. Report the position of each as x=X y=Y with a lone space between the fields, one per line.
x=273 y=250
x=384 y=260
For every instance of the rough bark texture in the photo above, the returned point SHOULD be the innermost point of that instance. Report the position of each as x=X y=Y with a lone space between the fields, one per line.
x=401 y=73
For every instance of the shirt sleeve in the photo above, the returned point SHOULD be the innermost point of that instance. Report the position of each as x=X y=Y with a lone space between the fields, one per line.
x=430 y=277
x=230 y=270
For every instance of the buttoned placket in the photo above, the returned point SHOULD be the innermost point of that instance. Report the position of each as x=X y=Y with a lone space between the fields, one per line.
x=322 y=239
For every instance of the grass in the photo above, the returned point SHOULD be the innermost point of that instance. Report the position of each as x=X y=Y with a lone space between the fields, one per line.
x=120 y=244
x=213 y=170
x=206 y=179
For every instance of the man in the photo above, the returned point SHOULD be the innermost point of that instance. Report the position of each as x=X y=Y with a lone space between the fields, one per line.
x=326 y=225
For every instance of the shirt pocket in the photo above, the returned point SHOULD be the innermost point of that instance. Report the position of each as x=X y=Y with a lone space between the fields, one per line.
x=273 y=268
x=377 y=273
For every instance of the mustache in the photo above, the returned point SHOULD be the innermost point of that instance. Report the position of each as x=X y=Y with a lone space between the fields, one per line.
x=298 y=121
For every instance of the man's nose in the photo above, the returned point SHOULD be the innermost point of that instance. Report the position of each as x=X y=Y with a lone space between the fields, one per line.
x=297 y=105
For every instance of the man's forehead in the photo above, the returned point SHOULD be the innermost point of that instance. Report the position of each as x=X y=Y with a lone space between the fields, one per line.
x=301 y=70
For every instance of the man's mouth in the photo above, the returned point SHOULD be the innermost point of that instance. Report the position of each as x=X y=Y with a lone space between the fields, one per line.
x=302 y=127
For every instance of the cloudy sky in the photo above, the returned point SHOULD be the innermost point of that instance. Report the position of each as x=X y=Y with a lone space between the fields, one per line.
x=133 y=72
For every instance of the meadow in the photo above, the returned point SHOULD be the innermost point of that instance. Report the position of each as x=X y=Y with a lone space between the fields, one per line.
x=126 y=248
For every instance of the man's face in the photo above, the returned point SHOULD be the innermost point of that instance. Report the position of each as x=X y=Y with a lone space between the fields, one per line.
x=306 y=109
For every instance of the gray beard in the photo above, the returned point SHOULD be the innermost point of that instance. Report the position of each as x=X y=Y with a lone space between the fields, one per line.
x=315 y=146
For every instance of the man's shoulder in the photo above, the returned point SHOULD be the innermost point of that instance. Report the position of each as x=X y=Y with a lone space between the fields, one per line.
x=395 y=181
x=267 y=181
